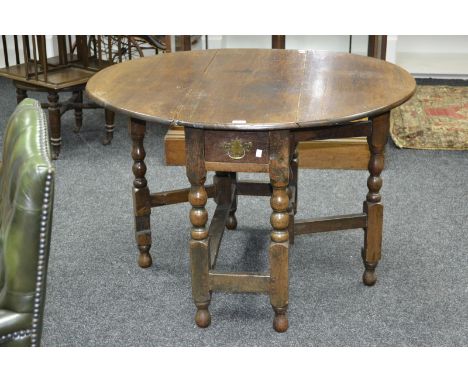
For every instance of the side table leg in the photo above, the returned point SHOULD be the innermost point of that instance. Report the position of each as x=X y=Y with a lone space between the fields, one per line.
x=279 y=245
x=199 y=254
x=141 y=193
x=373 y=207
x=78 y=95
x=54 y=122
x=110 y=125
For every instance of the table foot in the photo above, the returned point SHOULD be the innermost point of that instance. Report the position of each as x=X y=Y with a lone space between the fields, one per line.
x=231 y=222
x=203 y=316
x=369 y=277
x=280 y=322
x=144 y=258
x=143 y=230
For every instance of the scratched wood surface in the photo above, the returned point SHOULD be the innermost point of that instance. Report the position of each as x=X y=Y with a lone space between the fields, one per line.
x=252 y=89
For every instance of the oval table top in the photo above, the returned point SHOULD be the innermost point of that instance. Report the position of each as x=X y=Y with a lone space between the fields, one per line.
x=252 y=89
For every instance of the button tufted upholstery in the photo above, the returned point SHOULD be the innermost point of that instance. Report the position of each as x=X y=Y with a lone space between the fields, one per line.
x=26 y=201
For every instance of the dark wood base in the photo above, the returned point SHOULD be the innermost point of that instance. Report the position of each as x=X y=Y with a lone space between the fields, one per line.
x=282 y=166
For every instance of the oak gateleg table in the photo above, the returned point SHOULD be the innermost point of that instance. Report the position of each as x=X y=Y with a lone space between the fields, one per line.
x=245 y=110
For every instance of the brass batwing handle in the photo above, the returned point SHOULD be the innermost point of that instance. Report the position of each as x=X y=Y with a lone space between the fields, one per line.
x=236 y=149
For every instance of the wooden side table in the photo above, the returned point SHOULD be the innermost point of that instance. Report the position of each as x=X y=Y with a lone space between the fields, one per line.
x=79 y=58
x=244 y=110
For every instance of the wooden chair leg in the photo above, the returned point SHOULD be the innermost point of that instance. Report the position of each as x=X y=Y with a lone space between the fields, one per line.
x=54 y=123
x=21 y=94
x=279 y=245
x=78 y=99
x=141 y=193
x=110 y=125
x=373 y=207
x=199 y=251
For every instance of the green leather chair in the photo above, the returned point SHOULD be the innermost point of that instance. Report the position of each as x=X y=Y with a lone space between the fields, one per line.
x=26 y=200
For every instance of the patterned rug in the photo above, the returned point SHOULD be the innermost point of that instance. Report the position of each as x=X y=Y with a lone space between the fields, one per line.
x=435 y=118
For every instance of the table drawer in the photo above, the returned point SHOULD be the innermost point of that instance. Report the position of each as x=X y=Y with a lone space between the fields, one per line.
x=236 y=147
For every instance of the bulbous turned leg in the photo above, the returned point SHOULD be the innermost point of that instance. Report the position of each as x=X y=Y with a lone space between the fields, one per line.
x=291 y=216
x=54 y=124
x=279 y=237
x=199 y=254
x=110 y=125
x=278 y=255
x=373 y=206
x=78 y=96
x=141 y=194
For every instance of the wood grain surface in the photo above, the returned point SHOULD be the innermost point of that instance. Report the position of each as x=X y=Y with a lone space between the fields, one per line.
x=252 y=89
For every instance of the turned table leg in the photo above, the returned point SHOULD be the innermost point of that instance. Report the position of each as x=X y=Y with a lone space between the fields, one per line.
x=279 y=244
x=231 y=222
x=295 y=174
x=224 y=182
x=78 y=99
x=373 y=207
x=293 y=180
x=110 y=125
x=141 y=193
x=54 y=122
x=199 y=251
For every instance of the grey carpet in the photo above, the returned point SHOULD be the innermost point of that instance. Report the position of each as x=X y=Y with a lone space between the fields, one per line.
x=97 y=295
